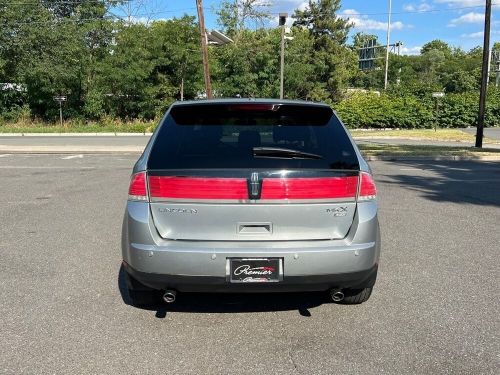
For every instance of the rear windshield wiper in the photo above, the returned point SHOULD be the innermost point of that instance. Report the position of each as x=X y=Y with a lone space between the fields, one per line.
x=278 y=152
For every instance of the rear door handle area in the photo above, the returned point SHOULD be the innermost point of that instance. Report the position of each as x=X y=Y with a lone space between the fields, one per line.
x=255 y=228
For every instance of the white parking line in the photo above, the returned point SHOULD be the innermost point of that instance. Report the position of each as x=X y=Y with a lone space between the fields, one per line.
x=80 y=156
x=4 y=155
x=44 y=167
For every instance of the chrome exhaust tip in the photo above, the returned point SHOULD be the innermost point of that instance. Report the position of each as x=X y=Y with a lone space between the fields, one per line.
x=337 y=295
x=169 y=296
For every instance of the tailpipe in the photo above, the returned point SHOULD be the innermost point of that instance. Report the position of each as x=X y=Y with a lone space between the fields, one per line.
x=169 y=296
x=337 y=295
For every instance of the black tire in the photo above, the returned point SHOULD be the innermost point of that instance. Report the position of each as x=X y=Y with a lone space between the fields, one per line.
x=356 y=296
x=140 y=294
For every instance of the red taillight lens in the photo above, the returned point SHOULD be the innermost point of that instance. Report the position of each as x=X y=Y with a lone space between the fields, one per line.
x=309 y=188
x=198 y=187
x=367 y=190
x=253 y=107
x=137 y=189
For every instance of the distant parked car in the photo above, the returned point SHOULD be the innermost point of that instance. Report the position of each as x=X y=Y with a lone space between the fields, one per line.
x=251 y=196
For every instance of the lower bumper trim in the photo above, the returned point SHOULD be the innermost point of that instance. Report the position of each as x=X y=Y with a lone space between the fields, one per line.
x=184 y=283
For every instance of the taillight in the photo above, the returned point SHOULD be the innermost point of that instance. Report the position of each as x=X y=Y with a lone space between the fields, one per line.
x=309 y=188
x=367 y=190
x=257 y=107
x=137 y=190
x=197 y=187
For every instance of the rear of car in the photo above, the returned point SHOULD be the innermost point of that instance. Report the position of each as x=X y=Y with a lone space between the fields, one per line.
x=251 y=196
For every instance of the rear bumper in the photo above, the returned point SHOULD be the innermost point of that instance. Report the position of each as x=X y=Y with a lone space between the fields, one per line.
x=201 y=265
x=217 y=284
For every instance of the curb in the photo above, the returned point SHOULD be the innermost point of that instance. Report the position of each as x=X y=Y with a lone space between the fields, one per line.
x=117 y=134
x=138 y=151
x=379 y=137
x=425 y=141
x=70 y=150
x=432 y=158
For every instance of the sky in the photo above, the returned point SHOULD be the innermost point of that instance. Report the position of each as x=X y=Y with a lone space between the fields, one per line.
x=414 y=22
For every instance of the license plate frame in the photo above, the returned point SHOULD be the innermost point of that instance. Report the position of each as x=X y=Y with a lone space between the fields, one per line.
x=254 y=270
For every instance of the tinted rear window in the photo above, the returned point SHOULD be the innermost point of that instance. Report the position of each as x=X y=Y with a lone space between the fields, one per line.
x=218 y=136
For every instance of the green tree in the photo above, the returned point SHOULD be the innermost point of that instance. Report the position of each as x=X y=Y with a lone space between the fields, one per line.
x=436 y=45
x=48 y=47
x=334 y=62
x=177 y=59
x=234 y=15
x=248 y=67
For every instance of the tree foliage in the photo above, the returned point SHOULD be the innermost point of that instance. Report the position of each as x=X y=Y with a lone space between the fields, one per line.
x=110 y=68
x=334 y=62
x=235 y=15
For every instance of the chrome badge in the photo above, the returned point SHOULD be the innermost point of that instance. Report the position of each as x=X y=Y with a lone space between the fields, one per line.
x=254 y=186
x=337 y=211
x=178 y=210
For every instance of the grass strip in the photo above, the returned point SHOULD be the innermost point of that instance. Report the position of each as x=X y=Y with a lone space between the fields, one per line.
x=448 y=135
x=423 y=150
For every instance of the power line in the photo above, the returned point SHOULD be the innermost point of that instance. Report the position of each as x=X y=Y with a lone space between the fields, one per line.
x=113 y=16
x=63 y=20
x=162 y=12
x=354 y=14
x=450 y=9
x=65 y=2
x=410 y=12
x=149 y=14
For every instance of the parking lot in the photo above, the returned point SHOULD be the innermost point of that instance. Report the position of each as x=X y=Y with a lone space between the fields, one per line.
x=435 y=308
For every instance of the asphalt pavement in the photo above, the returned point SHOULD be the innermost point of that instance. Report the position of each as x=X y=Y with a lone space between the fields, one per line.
x=493 y=133
x=64 y=308
x=136 y=143
x=421 y=142
x=54 y=144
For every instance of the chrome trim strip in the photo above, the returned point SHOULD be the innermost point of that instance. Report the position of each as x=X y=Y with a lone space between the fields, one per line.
x=252 y=201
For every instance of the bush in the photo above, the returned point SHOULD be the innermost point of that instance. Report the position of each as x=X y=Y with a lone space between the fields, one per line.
x=21 y=114
x=457 y=110
x=367 y=110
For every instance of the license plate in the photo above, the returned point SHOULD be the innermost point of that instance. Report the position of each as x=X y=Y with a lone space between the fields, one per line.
x=255 y=270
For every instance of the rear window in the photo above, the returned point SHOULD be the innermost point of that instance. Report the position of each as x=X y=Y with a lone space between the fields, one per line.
x=216 y=136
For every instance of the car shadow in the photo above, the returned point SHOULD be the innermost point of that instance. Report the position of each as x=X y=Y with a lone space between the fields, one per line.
x=469 y=182
x=230 y=302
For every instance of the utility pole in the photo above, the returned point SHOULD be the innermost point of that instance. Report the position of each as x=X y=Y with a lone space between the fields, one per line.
x=204 y=49
x=484 y=75
x=387 y=46
x=282 y=22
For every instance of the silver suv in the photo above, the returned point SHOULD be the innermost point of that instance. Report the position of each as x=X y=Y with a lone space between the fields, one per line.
x=251 y=196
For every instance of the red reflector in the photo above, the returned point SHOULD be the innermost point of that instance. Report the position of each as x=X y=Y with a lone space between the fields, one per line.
x=309 y=188
x=137 y=186
x=367 y=189
x=198 y=187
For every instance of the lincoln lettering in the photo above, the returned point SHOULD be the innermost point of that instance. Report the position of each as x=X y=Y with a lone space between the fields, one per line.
x=178 y=210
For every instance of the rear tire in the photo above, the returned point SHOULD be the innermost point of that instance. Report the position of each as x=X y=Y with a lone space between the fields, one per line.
x=356 y=296
x=140 y=294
